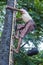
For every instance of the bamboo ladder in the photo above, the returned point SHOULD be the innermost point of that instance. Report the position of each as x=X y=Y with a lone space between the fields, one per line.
x=11 y=61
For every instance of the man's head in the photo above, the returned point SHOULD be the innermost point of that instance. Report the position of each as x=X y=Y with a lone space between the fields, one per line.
x=23 y=11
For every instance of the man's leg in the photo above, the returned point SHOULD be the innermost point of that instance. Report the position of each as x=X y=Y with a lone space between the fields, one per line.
x=23 y=32
x=19 y=27
x=18 y=47
x=19 y=43
x=17 y=34
x=27 y=29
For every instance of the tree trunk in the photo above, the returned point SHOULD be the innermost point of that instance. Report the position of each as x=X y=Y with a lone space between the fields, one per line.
x=6 y=36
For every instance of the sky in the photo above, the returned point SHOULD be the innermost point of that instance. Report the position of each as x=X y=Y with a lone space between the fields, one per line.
x=40 y=46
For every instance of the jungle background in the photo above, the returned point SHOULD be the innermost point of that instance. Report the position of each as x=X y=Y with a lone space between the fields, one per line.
x=35 y=9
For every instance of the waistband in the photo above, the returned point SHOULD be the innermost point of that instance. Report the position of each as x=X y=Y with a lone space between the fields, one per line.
x=30 y=21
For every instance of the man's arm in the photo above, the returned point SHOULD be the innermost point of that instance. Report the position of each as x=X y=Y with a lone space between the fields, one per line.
x=14 y=9
x=18 y=19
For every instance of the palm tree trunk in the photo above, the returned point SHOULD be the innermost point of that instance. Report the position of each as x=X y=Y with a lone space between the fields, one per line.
x=6 y=36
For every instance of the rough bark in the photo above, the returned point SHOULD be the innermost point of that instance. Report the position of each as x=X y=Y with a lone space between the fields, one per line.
x=6 y=36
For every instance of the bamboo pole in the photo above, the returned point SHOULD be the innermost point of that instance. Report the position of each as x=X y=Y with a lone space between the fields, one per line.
x=11 y=59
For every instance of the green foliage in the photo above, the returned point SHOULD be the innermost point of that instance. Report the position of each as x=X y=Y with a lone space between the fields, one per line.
x=2 y=14
x=35 y=9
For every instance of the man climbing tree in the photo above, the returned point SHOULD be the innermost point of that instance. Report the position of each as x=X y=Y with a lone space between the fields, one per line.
x=23 y=29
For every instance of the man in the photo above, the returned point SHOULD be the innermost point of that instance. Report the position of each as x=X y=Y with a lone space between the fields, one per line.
x=23 y=29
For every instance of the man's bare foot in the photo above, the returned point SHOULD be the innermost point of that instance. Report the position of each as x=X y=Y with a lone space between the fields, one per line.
x=16 y=36
x=15 y=50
